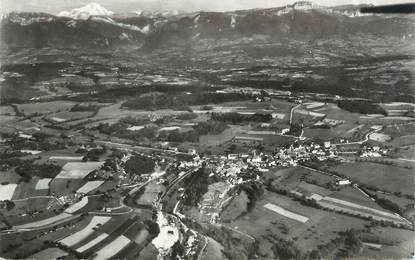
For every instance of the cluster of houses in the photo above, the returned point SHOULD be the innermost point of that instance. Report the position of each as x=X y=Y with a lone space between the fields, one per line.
x=373 y=151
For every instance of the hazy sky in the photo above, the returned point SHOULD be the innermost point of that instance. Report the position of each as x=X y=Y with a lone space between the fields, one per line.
x=55 y=6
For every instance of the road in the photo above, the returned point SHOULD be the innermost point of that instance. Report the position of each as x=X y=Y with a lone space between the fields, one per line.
x=406 y=160
x=35 y=197
x=292 y=112
x=364 y=140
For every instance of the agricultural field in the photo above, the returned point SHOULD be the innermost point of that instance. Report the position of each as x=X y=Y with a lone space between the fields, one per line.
x=349 y=125
x=89 y=186
x=392 y=243
x=7 y=191
x=28 y=210
x=49 y=253
x=92 y=243
x=384 y=177
x=357 y=209
x=351 y=194
x=72 y=170
x=64 y=186
x=150 y=194
x=9 y=176
x=261 y=222
x=43 y=184
x=95 y=236
x=237 y=206
x=34 y=240
x=69 y=116
x=82 y=234
x=112 y=248
x=294 y=178
x=45 y=108
x=72 y=209
x=46 y=222
x=225 y=136
x=214 y=250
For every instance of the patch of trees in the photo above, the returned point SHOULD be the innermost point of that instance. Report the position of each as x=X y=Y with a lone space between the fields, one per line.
x=236 y=245
x=177 y=250
x=302 y=199
x=352 y=244
x=186 y=116
x=139 y=164
x=150 y=133
x=11 y=154
x=152 y=227
x=285 y=250
x=94 y=154
x=120 y=130
x=40 y=142
x=261 y=84
x=212 y=127
x=386 y=204
x=196 y=186
x=236 y=118
x=134 y=120
x=111 y=95
x=347 y=244
x=206 y=108
x=110 y=165
x=361 y=106
x=181 y=101
x=9 y=205
x=27 y=169
x=295 y=130
x=254 y=191
x=333 y=86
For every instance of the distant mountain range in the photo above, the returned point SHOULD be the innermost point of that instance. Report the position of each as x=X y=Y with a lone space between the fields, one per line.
x=95 y=26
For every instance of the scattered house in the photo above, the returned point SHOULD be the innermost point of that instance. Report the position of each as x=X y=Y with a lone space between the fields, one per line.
x=232 y=156
x=192 y=151
x=343 y=182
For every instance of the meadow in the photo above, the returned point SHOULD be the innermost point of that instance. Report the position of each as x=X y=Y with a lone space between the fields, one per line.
x=385 y=177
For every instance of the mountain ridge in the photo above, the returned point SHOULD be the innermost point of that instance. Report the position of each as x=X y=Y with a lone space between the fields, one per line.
x=95 y=26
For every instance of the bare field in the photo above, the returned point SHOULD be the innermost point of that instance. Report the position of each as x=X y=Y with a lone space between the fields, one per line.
x=89 y=186
x=7 y=191
x=286 y=213
x=78 y=170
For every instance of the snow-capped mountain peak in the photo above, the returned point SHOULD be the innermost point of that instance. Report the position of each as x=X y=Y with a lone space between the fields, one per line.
x=83 y=13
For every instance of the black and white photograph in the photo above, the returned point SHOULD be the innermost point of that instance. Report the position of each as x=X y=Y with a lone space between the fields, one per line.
x=207 y=129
